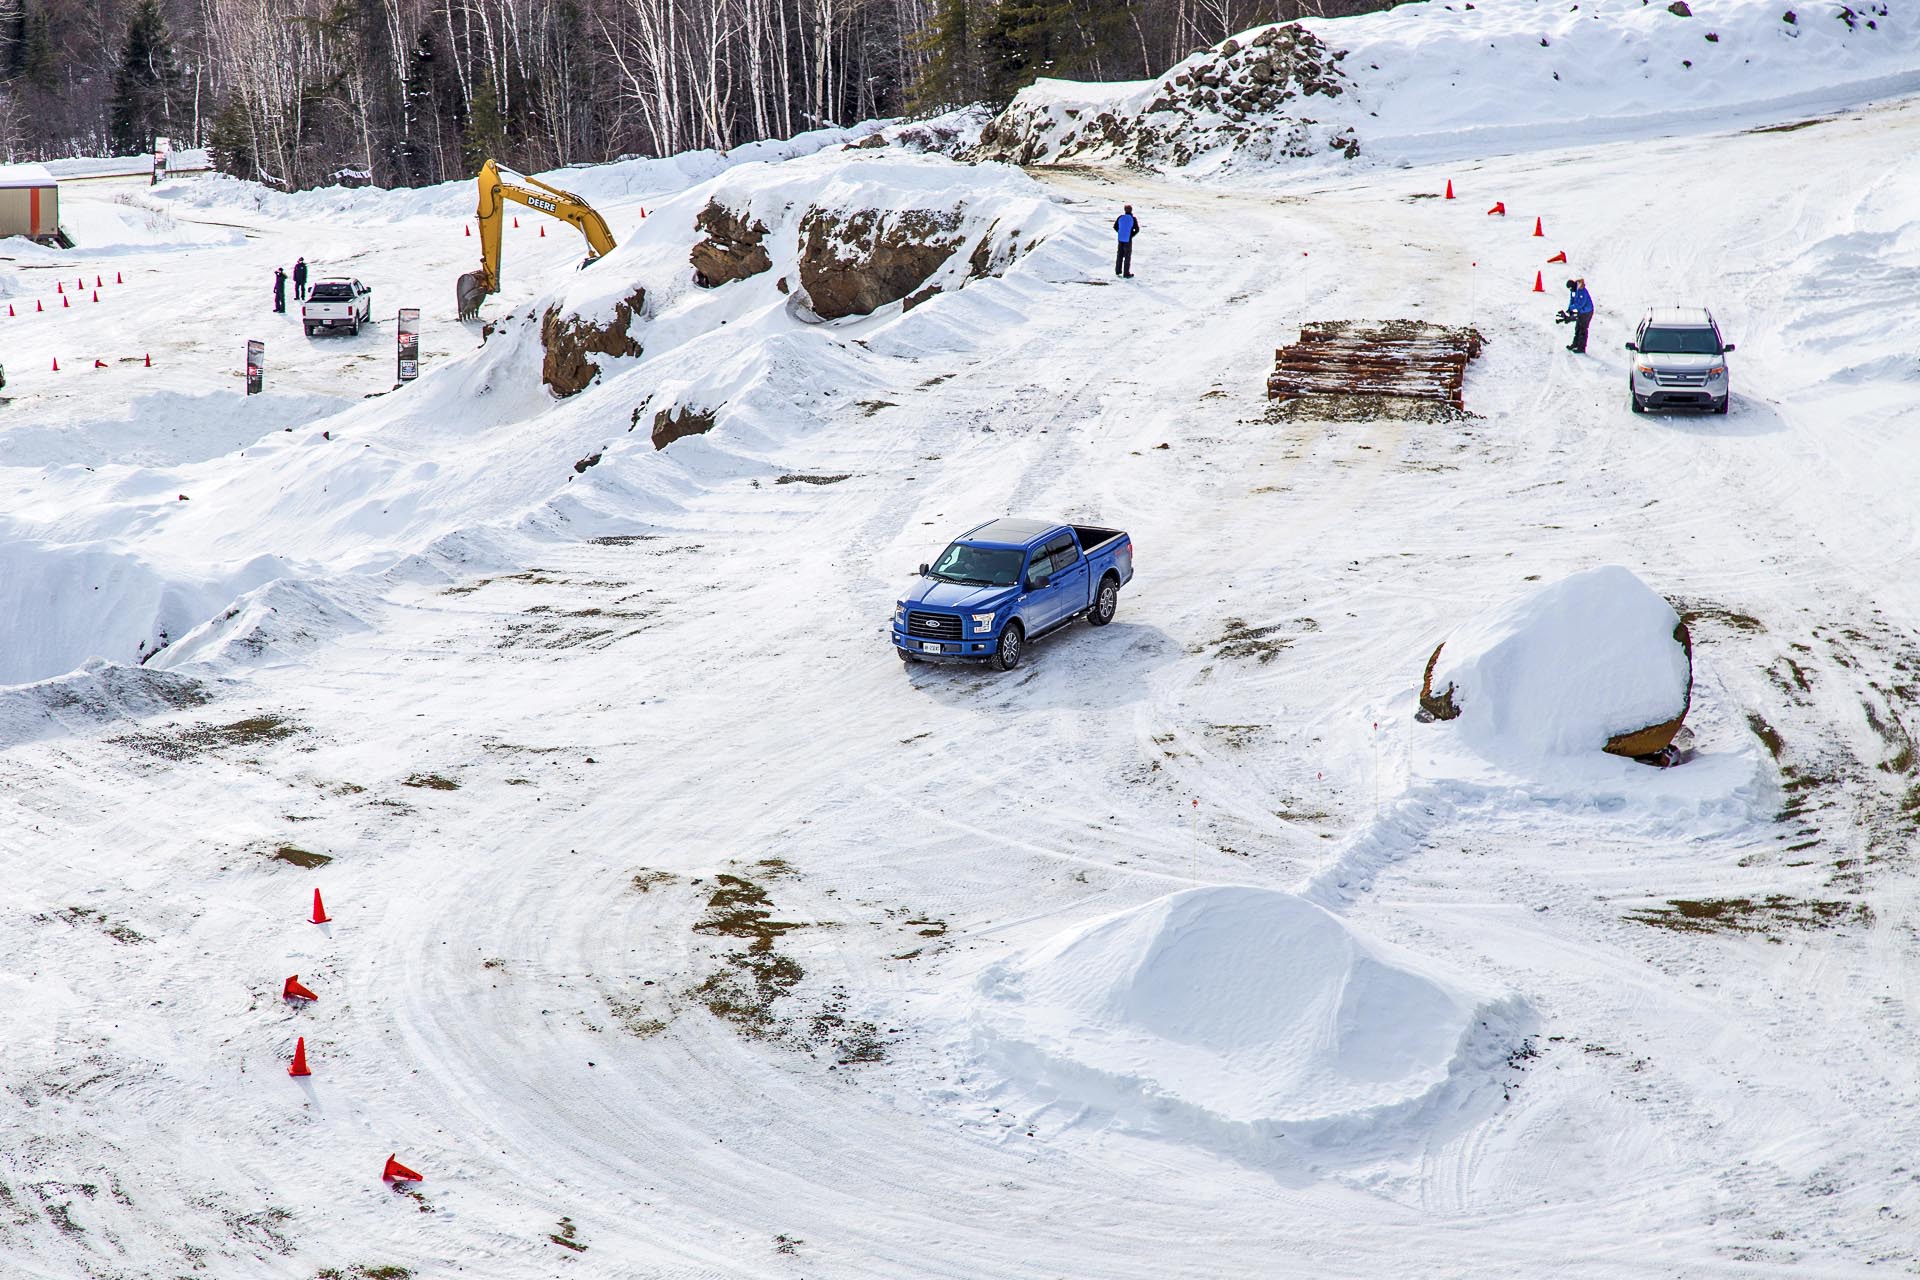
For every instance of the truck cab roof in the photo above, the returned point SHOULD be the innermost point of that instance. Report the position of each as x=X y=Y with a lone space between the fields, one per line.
x=1011 y=532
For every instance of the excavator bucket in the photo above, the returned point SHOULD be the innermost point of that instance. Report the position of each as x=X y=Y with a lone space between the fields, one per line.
x=471 y=291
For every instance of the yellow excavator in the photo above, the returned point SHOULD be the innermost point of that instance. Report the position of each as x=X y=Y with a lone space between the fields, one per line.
x=498 y=185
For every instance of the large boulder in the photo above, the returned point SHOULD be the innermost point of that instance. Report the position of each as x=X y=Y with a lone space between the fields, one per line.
x=734 y=247
x=1594 y=662
x=853 y=262
x=677 y=422
x=571 y=340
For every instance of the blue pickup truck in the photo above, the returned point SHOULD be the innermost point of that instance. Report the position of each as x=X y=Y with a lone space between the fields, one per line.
x=1002 y=585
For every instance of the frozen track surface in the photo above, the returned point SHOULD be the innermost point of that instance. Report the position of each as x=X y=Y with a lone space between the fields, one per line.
x=722 y=694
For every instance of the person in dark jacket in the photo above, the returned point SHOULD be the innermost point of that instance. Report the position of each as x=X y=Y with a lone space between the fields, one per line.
x=1126 y=226
x=280 y=289
x=1580 y=302
x=299 y=279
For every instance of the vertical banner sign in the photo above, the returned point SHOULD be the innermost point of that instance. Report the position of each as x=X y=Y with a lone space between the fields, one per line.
x=256 y=366
x=409 y=343
x=162 y=148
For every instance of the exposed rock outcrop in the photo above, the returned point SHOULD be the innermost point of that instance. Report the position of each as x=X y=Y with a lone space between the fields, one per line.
x=854 y=262
x=571 y=341
x=680 y=421
x=1233 y=102
x=734 y=248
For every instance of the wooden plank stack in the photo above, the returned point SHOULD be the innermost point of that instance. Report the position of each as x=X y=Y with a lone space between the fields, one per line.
x=1407 y=359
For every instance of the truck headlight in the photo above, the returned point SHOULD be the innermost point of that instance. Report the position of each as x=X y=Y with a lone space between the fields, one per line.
x=1644 y=370
x=899 y=615
x=983 y=622
x=1716 y=373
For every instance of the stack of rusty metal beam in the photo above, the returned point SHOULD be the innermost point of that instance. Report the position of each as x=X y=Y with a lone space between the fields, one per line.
x=1401 y=359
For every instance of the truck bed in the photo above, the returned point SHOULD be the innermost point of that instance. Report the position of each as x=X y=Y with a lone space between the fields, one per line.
x=1093 y=538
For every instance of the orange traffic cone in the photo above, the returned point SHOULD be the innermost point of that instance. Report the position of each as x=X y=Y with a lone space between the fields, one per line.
x=97 y=283
x=56 y=364
x=99 y=364
x=1500 y=208
x=397 y=1172
x=643 y=212
x=516 y=224
x=299 y=1067
x=296 y=990
x=1559 y=257
x=149 y=360
x=79 y=284
x=117 y=279
x=65 y=301
x=1539 y=286
x=1536 y=228
x=96 y=295
x=543 y=233
x=59 y=286
x=320 y=915
x=1449 y=188
x=469 y=233
x=38 y=305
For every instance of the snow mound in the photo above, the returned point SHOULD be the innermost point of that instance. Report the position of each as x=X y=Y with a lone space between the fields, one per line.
x=1409 y=83
x=1238 y=1015
x=1565 y=669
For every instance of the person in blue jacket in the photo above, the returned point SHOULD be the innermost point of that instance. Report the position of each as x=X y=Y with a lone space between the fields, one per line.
x=1126 y=226
x=1580 y=302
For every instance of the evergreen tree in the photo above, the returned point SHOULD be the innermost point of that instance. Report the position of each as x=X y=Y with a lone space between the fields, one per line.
x=1024 y=41
x=148 y=84
x=230 y=142
x=485 y=133
x=36 y=50
x=950 y=76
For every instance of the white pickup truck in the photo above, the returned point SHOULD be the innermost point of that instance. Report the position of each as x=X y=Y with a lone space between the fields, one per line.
x=337 y=304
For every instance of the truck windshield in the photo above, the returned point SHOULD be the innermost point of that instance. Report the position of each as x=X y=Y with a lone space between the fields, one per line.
x=1680 y=342
x=979 y=566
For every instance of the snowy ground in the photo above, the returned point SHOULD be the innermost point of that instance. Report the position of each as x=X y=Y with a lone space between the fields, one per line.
x=531 y=751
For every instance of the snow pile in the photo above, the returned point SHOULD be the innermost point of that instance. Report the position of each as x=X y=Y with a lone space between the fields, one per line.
x=1563 y=670
x=1417 y=82
x=641 y=177
x=1238 y=1016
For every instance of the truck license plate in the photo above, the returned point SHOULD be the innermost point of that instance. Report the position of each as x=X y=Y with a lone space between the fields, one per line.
x=929 y=648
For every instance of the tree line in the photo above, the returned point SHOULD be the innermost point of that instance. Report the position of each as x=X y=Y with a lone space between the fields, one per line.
x=301 y=93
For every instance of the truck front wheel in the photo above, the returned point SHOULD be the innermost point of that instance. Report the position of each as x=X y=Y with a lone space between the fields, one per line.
x=1106 y=603
x=1012 y=646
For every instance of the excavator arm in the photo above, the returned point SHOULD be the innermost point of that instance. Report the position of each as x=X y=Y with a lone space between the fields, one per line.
x=497 y=186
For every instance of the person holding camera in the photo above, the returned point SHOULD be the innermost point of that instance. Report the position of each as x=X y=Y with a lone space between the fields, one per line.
x=1579 y=313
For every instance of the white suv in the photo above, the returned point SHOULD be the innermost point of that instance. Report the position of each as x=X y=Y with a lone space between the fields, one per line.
x=1680 y=361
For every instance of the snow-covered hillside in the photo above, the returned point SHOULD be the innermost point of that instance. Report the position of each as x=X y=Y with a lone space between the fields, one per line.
x=1445 y=81
x=677 y=929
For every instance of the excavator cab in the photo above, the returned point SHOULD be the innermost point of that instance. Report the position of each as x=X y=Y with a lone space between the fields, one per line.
x=497 y=186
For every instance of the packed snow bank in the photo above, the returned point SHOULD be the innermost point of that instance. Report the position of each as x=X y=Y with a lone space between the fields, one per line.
x=1415 y=82
x=848 y=236
x=641 y=177
x=1565 y=669
x=1239 y=1016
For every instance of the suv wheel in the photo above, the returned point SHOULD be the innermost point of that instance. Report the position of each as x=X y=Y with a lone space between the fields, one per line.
x=1639 y=405
x=1720 y=405
x=1012 y=647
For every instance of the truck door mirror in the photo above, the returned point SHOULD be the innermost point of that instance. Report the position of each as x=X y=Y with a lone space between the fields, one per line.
x=1632 y=347
x=923 y=571
x=1728 y=347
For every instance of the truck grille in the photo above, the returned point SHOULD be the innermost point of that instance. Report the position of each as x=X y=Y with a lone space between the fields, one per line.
x=934 y=626
x=1668 y=378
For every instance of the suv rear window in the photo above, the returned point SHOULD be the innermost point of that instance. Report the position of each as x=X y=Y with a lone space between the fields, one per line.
x=1680 y=342
x=331 y=293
